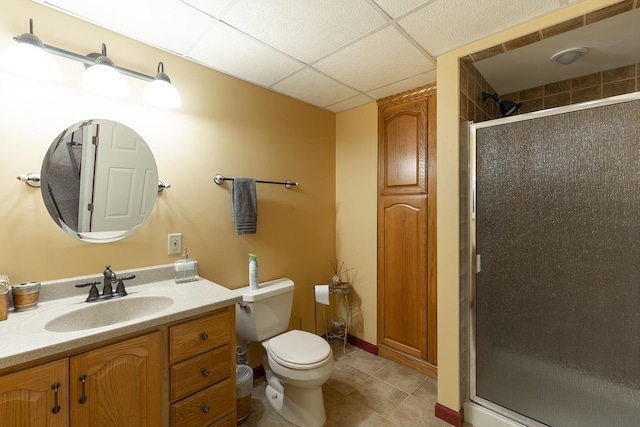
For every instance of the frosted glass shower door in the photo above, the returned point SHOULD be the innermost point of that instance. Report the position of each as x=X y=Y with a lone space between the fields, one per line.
x=557 y=300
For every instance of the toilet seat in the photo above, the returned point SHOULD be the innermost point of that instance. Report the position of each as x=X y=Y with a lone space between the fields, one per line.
x=299 y=350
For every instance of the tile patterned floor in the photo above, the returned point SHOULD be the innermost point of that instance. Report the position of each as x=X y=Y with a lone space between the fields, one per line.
x=364 y=390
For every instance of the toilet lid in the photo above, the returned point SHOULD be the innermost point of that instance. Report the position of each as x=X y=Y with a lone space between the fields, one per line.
x=299 y=348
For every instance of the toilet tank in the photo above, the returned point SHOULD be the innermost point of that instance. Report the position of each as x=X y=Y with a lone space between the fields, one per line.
x=265 y=312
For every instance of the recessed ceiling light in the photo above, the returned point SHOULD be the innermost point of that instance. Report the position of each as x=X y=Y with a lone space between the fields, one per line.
x=569 y=56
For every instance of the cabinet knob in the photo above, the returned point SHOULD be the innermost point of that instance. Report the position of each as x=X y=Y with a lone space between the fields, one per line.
x=205 y=373
x=205 y=409
x=204 y=336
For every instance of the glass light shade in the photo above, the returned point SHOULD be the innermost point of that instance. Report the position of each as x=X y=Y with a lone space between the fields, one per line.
x=30 y=61
x=105 y=80
x=162 y=93
x=569 y=56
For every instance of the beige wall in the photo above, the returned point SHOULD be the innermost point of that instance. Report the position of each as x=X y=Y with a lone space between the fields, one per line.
x=226 y=126
x=356 y=212
x=449 y=348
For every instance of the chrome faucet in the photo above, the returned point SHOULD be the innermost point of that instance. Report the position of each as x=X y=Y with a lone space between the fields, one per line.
x=107 y=290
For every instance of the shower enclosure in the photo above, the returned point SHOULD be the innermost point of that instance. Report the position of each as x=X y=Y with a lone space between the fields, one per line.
x=555 y=286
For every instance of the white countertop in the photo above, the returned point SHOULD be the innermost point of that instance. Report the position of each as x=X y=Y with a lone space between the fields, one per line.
x=23 y=337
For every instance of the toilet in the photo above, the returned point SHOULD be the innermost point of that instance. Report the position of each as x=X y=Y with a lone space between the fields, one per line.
x=296 y=363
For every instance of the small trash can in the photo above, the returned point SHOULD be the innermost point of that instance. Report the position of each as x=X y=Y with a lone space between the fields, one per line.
x=244 y=385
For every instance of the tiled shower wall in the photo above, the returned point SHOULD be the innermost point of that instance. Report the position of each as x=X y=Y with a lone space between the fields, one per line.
x=580 y=89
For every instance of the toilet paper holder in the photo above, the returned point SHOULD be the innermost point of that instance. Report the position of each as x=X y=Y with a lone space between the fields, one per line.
x=343 y=290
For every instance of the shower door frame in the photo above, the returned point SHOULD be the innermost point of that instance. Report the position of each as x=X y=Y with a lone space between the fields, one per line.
x=475 y=263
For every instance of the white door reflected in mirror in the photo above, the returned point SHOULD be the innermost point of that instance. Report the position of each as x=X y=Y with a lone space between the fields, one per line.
x=99 y=181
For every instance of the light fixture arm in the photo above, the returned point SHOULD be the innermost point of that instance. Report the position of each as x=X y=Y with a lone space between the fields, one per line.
x=88 y=60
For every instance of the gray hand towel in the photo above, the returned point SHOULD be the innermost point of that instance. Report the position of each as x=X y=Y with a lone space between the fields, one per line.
x=244 y=205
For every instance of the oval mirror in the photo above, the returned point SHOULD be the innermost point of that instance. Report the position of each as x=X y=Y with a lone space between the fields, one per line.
x=99 y=181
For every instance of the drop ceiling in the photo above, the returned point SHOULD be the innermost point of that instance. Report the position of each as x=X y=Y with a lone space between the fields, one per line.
x=334 y=54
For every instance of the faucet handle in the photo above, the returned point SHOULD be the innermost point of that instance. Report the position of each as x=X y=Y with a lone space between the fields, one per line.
x=120 y=290
x=93 y=292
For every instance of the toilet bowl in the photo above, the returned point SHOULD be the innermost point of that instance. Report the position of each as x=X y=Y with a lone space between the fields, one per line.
x=296 y=363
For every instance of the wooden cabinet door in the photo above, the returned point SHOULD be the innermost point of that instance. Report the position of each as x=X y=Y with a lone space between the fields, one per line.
x=407 y=294
x=36 y=397
x=403 y=132
x=402 y=271
x=118 y=385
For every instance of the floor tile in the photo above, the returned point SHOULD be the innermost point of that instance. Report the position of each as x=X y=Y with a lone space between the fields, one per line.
x=365 y=361
x=400 y=376
x=379 y=396
x=346 y=411
x=427 y=390
x=364 y=391
x=413 y=412
x=346 y=378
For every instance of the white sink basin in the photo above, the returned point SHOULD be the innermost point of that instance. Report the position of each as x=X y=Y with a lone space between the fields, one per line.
x=106 y=313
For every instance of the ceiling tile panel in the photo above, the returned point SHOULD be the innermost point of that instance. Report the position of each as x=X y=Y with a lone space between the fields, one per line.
x=311 y=86
x=336 y=54
x=382 y=58
x=396 y=8
x=239 y=55
x=160 y=23
x=407 y=84
x=447 y=24
x=304 y=29
x=350 y=103
x=215 y=8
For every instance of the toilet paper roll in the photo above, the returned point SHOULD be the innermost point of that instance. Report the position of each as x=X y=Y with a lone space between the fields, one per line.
x=322 y=294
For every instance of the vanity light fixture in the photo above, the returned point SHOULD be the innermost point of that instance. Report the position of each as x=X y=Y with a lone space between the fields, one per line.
x=28 y=58
x=160 y=92
x=93 y=79
x=103 y=78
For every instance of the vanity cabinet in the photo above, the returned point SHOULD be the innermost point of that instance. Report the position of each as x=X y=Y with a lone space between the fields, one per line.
x=118 y=385
x=202 y=372
x=178 y=374
x=37 y=396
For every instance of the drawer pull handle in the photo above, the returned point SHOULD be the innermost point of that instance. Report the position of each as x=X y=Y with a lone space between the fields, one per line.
x=55 y=388
x=204 y=336
x=205 y=373
x=205 y=409
x=82 y=379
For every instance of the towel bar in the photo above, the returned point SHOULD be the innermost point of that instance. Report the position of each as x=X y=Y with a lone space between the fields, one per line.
x=219 y=179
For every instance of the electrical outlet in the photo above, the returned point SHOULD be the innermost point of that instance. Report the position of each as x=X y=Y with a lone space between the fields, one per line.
x=175 y=244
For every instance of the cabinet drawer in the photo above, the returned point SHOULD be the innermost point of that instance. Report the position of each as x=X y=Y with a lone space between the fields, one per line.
x=198 y=336
x=204 y=407
x=228 y=421
x=199 y=372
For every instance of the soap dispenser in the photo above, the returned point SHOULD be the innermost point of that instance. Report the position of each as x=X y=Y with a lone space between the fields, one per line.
x=185 y=269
